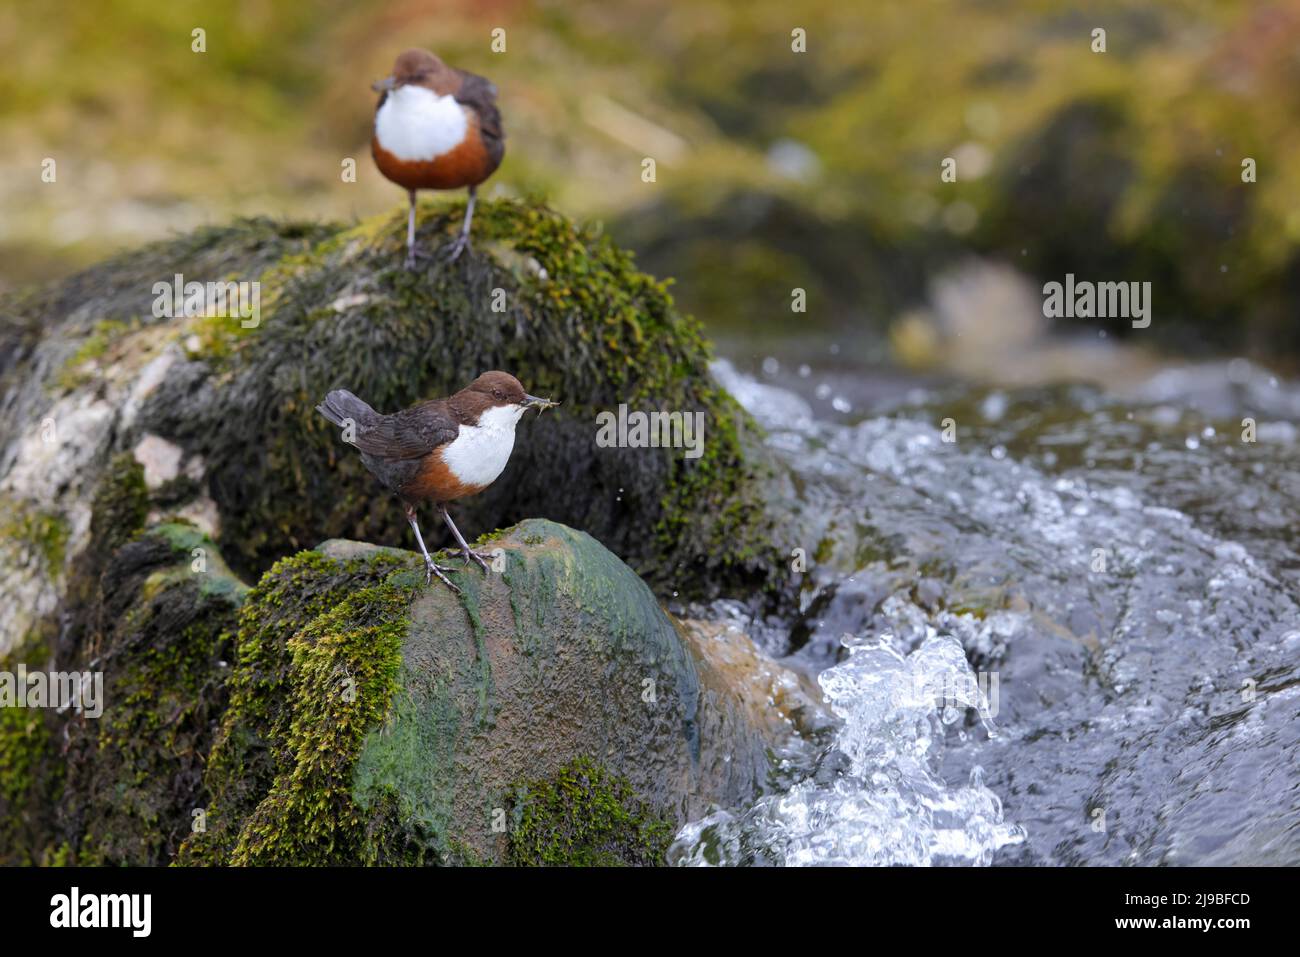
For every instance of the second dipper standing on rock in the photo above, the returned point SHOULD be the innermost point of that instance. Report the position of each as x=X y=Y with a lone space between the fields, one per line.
x=439 y=450
x=436 y=127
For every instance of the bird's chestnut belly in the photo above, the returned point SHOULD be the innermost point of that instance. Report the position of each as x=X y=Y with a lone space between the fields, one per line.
x=466 y=164
x=435 y=481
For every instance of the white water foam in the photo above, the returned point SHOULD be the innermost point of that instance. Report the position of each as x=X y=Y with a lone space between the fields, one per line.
x=878 y=799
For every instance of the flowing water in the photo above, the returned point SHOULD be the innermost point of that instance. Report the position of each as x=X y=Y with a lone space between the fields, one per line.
x=1069 y=636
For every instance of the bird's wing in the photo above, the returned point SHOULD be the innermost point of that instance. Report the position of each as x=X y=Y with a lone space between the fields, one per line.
x=410 y=434
x=480 y=94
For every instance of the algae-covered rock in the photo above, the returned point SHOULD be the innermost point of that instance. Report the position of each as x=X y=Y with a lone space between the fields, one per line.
x=341 y=711
x=151 y=465
x=118 y=779
x=218 y=408
x=553 y=714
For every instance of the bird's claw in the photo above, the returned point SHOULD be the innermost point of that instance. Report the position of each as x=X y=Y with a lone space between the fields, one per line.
x=413 y=257
x=451 y=252
x=430 y=569
x=470 y=554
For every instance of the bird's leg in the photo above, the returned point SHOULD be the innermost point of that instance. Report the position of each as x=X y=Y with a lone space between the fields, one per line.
x=430 y=569
x=461 y=242
x=464 y=545
x=410 y=236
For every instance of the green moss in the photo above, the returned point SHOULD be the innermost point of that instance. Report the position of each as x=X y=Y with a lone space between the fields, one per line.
x=31 y=773
x=104 y=334
x=345 y=667
x=61 y=856
x=585 y=817
x=318 y=655
x=41 y=531
x=119 y=788
x=24 y=745
x=220 y=336
x=165 y=635
x=120 y=505
x=195 y=558
x=183 y=537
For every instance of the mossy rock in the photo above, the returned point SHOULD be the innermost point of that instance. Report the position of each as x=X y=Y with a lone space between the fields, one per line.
x=551 y=714
x=167 y=435
x=583 y=817
x=558 y=305
x=30 y=782
x=120 y=787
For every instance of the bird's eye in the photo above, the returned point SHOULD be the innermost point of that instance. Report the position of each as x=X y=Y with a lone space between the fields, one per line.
x=496 y=394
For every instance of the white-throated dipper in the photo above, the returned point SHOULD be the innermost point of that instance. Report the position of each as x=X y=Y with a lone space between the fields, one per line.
x=436 y=127
x=440 y=450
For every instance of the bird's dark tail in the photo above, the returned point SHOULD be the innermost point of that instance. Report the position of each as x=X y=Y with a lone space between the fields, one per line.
x=341 y=405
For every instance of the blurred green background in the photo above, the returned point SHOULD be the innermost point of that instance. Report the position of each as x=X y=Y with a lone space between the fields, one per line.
x=775 y=169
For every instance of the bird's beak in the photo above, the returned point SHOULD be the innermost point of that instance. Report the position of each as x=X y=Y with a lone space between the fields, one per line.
x=533 y=402
x=385 y=85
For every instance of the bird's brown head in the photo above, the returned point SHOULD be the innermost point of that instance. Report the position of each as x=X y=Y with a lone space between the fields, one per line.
x=496 y=390
x=414 y=67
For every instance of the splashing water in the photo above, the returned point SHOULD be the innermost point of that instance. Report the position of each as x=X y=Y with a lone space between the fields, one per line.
x=883 y=801
x=1134 y=593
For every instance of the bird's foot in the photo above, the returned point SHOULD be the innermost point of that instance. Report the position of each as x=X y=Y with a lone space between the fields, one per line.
x=451 y=252
x=471 y=555
x=430 y=569
x=414 y=255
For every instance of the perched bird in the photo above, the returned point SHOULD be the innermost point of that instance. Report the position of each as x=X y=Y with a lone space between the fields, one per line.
x=440 y=450
x=436 y=127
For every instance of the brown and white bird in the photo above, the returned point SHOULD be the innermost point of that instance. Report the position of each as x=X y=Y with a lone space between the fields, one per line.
x=436 y=127
x=438 y=451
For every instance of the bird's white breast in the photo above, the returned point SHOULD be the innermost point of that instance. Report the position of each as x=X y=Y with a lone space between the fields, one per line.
x=479 y=453
x=417 y=124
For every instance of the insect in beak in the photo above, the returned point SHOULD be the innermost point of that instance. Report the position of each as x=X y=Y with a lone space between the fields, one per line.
x=533 y=402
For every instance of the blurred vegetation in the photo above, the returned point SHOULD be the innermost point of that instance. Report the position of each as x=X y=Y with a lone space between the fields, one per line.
x=775 y=169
